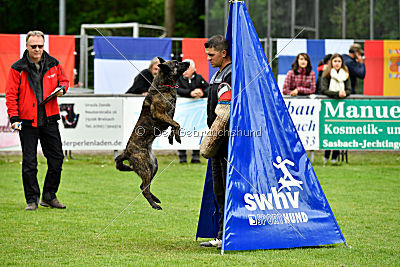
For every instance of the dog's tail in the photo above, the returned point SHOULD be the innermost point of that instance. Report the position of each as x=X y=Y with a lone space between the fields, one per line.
x=119 y=163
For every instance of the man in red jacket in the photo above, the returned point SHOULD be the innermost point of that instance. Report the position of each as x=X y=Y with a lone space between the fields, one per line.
x=31 y=79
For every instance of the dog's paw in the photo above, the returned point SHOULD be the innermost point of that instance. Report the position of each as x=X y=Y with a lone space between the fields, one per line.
x=171 y=138
x=178 y=138
x=155 y=199
x=177 y=132
x=156 y=207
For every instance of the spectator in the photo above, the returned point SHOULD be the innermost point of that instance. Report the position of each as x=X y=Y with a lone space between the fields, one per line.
x=335 y=83
x=217 y=50
x=355 y=63
x=300 y=80
x=322 y=65
x=31 y=79
x=144 y=79
x=191 y=85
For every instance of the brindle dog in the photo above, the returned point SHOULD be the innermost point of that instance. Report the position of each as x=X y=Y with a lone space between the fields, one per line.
x=157 y=115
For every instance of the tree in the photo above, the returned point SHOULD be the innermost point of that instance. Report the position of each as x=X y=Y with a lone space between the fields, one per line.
x=185 y=18
x=169 y=15
x=16 y=16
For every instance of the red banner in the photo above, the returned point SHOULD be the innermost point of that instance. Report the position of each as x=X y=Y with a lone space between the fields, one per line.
x=373 y=82
x=63 y=48
x=193 y=48
x=382 y=63
x=9 y=53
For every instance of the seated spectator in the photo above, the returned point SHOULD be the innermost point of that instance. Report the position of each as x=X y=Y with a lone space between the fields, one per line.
x=191 y=85
x=355 y=63
x=322 y=65
x=335 y=83
x=300 y=80
x=144 y=79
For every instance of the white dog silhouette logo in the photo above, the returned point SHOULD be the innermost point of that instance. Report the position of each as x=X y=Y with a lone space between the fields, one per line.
x=287 y=181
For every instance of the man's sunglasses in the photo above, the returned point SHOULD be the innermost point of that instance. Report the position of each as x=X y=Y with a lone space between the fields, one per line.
x=35 y=46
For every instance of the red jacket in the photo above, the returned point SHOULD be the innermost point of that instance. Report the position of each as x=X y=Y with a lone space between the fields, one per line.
x=21 y=99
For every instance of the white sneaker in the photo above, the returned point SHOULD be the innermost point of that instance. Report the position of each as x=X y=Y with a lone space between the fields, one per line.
x=334 y=161
x=212 y=243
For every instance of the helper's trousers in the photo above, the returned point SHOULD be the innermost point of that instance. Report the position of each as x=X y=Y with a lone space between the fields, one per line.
x=219 y=167
x=50 y=141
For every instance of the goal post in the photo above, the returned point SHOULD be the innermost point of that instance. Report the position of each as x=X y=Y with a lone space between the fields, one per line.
x=84 y=44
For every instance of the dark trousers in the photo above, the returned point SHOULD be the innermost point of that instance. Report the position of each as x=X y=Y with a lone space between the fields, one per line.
x=219 y=167
x=50 y=141
x=335 y=154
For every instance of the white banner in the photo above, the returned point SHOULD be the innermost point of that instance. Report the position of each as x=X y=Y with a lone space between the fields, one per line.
x=9 y=141
x=190 y=114
x=192 y=117
x=114 y=76
x=305 y=116
x=91 y=123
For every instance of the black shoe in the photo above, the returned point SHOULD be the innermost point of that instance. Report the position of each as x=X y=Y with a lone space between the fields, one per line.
x=182 y=161
x=54 y=203
x=196 y=161
x=31 y=206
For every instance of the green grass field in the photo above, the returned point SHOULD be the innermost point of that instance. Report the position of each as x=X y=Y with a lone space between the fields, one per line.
x=364 y=196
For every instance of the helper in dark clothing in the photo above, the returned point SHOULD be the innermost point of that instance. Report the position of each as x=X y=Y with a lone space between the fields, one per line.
x=217 y=50
x=31 y=79
x=191 y=85
x=144 y=79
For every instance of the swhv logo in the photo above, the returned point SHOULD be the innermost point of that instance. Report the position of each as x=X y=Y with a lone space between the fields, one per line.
x=277 y=199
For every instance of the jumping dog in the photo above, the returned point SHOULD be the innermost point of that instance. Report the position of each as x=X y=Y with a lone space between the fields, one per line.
x=156 y=116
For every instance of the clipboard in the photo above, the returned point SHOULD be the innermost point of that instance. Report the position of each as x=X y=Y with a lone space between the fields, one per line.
x=52 y=95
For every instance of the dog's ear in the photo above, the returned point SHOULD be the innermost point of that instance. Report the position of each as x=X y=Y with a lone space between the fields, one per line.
x=186 y=64
x=164 y=68
x=161 y=59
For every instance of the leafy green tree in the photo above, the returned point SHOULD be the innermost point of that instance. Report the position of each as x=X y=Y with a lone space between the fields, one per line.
x=387 y=22
x=17 y=16
x=357 y=19
x=20 y=16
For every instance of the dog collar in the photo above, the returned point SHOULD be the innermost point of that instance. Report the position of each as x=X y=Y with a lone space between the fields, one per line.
x=176 y=86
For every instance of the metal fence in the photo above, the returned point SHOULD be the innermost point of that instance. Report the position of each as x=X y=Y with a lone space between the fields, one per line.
x=317 y=19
